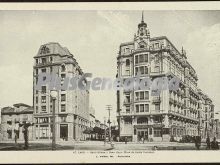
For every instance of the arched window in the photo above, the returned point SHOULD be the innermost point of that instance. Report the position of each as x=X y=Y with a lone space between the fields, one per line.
x=127 y=62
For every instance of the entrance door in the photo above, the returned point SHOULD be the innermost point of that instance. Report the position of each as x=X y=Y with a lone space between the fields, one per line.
x=64 y=131
x=143 y=134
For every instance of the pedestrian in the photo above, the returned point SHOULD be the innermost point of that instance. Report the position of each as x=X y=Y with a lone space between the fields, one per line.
x=16 y=131
x=143 y=140
x=208 y=143
x=25 y=132
x=214 y=144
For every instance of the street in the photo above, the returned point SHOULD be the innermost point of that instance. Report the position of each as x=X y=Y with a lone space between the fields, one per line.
x=99 y=145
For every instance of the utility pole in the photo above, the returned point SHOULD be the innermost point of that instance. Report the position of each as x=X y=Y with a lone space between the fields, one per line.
x=109 y=108
x=105 y=130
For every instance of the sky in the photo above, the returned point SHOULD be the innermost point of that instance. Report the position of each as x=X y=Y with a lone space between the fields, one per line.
x=93 y=37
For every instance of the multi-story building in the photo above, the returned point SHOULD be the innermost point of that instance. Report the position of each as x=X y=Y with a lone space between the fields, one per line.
x=71 y=106
x=11 y=115
x=171 y=113
x=206 y=118
x=217 y=128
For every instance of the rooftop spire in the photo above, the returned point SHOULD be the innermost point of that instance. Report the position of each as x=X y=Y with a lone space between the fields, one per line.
x=142 y=19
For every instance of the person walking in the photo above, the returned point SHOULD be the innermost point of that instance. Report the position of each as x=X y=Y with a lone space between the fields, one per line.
x=16 y=131
x=208 y=143
x=214 y=144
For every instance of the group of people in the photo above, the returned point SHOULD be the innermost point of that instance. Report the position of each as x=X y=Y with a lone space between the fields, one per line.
x=212 y=144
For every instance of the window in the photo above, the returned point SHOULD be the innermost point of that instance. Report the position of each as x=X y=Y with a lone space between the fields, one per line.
x=146 y=95
x=63 y=107
x=141 y=107
x=157 y=45
x=51 y=59
x=36 y=61
x=146 y=107
x=43 y=99
x=127 y=62
x=137 y=108
x=37 y=100
x=36 y=71
x=127 y=109
x=63 y=97
x=44 y=70
x=44 y=60
x=51 y=108
x=141 y=58
x=157 y=107
x=137 y=95
x=136 y=59
x=43 y=89
x=141 y=69
x=51 y=69
x=143 y=95
x=43 y=120
x=63 y=68
x=36 y=109
x=43 y=108
x=63 y=77
x=146 y=58
x=157 y=132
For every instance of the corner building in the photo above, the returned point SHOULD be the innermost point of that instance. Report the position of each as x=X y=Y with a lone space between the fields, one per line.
x=172 y=113
x=71 y=106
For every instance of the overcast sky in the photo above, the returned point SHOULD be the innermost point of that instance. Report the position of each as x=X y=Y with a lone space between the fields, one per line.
x=93 y=37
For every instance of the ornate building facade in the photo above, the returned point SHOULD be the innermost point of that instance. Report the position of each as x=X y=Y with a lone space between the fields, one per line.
x=71 y=106
x=186 y=111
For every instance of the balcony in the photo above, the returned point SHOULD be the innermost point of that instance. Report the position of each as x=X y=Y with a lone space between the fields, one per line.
x=181 y=115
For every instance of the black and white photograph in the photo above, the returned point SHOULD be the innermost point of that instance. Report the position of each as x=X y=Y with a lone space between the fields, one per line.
x=110 y=81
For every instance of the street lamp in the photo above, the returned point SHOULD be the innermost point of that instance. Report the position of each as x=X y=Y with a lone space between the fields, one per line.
x=53 y=94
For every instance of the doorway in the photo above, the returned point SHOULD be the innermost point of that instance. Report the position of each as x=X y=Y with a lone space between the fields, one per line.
x=142 y=133
x=64 y=132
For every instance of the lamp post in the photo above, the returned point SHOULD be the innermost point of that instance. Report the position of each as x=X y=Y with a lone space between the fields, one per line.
x=109 y=108
x=53 y=94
